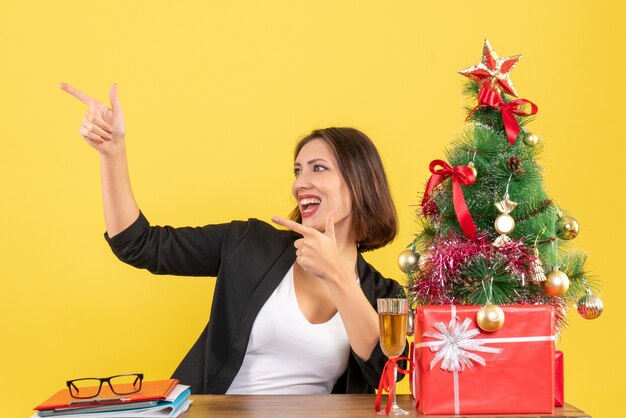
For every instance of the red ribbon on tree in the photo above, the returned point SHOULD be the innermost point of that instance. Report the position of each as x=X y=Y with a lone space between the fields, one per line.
x=387 y=381
x=487 y=96
x=461 y=175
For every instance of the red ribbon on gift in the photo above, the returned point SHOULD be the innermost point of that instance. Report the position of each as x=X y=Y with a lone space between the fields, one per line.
x=461 y=175
x=488 y=97
x=388 y=380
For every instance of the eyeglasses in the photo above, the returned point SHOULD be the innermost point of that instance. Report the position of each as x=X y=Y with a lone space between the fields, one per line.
x=90 y=387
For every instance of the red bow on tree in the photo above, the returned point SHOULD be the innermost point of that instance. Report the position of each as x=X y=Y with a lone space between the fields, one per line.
x=461 y=175
x=487 y=96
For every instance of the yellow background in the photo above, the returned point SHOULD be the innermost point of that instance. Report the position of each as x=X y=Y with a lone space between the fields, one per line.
x=215 y=95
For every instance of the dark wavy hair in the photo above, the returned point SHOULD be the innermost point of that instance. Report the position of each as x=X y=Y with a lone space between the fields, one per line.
x=374 y=217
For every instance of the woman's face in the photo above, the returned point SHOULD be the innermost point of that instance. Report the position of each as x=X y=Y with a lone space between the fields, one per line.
x=319 y=188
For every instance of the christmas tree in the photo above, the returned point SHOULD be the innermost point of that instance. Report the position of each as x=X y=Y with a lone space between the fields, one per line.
x=490 y=234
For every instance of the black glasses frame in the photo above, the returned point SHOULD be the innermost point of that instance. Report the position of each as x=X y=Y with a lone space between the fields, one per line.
x=107 y=380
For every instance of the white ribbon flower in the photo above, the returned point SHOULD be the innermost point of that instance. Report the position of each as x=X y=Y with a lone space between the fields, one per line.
x=455 y=345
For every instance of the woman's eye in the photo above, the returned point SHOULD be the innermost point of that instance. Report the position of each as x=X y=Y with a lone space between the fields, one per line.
x=319 y=168
x=297 y=171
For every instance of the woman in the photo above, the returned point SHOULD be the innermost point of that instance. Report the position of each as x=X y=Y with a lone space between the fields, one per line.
x=293 y=311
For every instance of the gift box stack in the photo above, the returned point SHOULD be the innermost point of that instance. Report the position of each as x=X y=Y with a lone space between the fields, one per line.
x=492 y=273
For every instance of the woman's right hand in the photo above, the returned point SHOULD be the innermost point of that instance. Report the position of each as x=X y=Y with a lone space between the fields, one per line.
x=102 y=127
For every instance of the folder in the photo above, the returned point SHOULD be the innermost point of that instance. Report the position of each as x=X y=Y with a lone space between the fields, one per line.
x=150 y=391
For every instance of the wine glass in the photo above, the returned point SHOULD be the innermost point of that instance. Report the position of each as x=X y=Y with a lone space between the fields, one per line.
x=393 y=315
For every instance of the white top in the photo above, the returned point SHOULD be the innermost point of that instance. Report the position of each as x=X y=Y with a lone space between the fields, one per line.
x=287 y=354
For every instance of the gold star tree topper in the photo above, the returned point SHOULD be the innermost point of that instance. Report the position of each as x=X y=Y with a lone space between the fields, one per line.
x=493 y=70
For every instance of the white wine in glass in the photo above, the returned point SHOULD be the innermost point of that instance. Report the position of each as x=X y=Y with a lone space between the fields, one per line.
x=393 y=315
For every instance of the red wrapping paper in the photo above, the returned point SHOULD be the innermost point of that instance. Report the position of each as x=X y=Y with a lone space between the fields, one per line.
x=520 y=379
x=559 y=390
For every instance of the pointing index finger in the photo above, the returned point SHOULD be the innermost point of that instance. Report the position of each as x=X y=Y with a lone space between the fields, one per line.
x=88 y=100
x=294 y=226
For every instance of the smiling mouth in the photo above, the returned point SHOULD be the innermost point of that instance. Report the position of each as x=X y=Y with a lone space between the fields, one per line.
x=308 y=206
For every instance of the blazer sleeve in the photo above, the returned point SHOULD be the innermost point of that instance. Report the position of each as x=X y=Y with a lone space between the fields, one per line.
x=186 y=251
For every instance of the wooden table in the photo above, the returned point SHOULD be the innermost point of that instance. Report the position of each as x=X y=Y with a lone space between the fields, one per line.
x=323 y=406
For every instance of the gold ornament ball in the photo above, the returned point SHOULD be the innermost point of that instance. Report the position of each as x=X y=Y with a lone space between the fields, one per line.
x=590 y=306
x=556 y=283
x=408 y=261
x=531 y=139
x=473 y=167
x=490 y=318
x=567 y=228
x=504 y=224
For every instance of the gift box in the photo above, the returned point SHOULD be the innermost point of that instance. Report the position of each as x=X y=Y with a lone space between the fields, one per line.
x=559 y=390
x=460 y=369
